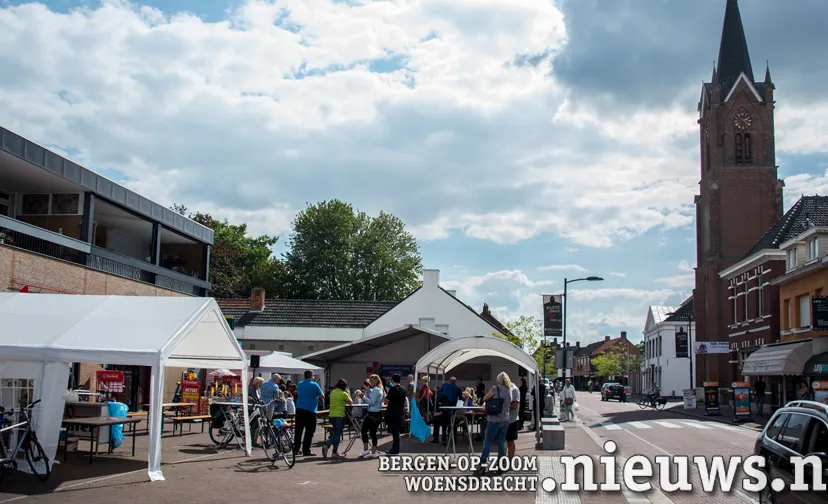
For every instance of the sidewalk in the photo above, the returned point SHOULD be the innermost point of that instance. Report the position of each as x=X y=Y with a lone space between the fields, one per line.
x=756 y=423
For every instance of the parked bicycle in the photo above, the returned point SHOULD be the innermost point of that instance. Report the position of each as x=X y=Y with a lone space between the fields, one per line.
x=652 y=400
x=275 y=438
x=27 y=443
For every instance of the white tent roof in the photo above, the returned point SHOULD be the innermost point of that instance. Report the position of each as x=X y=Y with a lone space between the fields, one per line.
x=127 y=330
x=451 y=354
x=278 y=362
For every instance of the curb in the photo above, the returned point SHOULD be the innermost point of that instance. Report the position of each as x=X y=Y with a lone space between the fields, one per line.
x=681 y=411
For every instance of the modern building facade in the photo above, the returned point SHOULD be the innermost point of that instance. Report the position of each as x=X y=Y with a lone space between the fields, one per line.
x=740 y=196
x=64 y=228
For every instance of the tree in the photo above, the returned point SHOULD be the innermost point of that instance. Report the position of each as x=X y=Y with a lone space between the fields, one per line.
x=527 y=333
x=239 y=262
x=336 y=252
x=616 y=361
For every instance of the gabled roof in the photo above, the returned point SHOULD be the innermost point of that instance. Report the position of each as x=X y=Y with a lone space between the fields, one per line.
x=306 y=312
x=588 y=349
x=734 y=58
x=809 y=210
x=659 y=313
x=487 y=315
x=683 y=313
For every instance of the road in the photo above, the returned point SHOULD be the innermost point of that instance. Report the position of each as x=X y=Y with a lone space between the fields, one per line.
x=658 y=433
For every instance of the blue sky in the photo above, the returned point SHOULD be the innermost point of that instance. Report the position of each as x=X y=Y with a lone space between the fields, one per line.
x=522 y=141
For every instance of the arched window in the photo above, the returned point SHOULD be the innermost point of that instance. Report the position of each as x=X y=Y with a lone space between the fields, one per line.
x=746 y=149
x=740 y=148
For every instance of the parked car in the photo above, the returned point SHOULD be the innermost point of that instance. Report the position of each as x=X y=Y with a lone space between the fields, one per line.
x=798 y=429
x=614 y=391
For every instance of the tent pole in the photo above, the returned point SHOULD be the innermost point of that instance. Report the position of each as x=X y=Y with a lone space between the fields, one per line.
x=248 y=448
x=156 y=421
x=541 y=402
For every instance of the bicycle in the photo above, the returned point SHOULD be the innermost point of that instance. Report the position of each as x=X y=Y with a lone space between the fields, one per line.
x=27 y=443
x=652 y=401
x=274 y=438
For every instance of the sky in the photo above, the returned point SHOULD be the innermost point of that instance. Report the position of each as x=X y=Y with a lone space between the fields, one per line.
x=521 y=141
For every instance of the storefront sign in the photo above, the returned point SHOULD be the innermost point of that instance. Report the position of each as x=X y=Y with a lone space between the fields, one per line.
x=819 y=369
x=820 y=392
x=689 y=399
x=190 y=391
x=105 y=375
x=682 y=344
x=819 y=312
x=388 y=370
x=711 y=347
x=711 y=397
x=552 y=315
x=741 y=399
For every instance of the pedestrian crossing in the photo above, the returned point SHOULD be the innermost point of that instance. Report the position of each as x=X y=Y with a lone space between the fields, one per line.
x=671 y=424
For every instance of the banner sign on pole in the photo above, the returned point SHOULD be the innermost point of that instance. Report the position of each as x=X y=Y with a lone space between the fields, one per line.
x=552 y=315
x=711 y=347
x=741 y=399
x=820 y=391
x=682 y=344
x=819 y=311
x=689 y=399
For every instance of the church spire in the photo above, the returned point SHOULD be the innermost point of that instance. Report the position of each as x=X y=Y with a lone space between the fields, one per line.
x=733 y=51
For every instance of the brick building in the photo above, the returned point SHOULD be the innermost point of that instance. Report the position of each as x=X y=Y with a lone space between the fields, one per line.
x=582 y=370
x=65 y=229
x=740 y=196
x=630 y=374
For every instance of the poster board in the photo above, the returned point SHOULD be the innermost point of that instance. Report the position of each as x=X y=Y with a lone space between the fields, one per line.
x=820 y=391
x=190 y=388
x=741 y=400
x=689 y=398
x=711 y=398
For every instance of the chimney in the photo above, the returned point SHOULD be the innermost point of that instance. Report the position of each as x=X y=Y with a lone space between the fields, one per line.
x=623 y=335
x=485 y=307
x=431 y=279
x=454 y=294
x=606 y=338
x=577 y=344
x=257 y=300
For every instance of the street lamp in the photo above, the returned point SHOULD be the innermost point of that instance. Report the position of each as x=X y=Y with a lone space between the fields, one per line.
x=566 y=302
x=687 y=317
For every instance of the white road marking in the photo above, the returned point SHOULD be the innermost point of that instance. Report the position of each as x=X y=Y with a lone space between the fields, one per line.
x=611 y=426
x=696 y=425
x=667 y=424
x=639 y=425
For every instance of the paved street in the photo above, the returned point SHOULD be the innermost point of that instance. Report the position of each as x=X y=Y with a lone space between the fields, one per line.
x=197 y=473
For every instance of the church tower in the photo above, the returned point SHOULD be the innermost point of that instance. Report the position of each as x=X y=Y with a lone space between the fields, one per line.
x=740 y=197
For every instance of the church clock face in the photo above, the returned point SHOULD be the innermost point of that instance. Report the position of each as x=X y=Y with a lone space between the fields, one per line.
x=742 y=120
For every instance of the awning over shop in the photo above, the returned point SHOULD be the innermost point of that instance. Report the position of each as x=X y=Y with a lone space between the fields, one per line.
x=817 y=365
x=779 y=359
x=357 y=347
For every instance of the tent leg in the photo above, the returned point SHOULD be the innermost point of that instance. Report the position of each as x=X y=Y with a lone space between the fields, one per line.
x=539 y=402
x=248 y=443
x=156 y=419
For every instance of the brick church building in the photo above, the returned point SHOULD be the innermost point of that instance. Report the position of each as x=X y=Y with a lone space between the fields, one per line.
x=740 y=196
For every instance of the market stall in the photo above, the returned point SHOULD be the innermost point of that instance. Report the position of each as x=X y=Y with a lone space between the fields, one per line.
x=41 y=334
x=278 y=362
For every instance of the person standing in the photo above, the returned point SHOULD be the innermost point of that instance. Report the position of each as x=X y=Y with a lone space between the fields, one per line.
x=372 y=422
x=339 y=398
x=480 y=388
x=308 y=393
x=271 y=397
x=395 y=413
x=497 y=422
x=514 y=412
x=759 y=389
x=524 y=389
x=412 y=386
x=568 y=398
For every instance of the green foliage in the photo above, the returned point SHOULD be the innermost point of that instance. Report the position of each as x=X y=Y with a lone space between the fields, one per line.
x=527 y=333
x=616 y=362
x=238 y=261
x=337 y=252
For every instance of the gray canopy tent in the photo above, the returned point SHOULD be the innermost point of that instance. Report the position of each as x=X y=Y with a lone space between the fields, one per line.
x=452 y=353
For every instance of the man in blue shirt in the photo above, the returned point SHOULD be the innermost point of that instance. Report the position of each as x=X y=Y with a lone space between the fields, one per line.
x=307 y=399
x=271 y=396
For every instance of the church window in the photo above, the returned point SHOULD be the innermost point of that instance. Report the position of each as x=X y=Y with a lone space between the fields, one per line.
x=747 y=149
x=742 y=147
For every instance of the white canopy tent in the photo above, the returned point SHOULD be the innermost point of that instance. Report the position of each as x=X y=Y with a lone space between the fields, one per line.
x=447 y=356
x=279 y=362
x=42 y=334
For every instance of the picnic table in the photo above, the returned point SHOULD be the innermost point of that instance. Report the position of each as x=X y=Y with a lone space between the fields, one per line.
x=171 y=406
x=95 y=423
x=460 y=412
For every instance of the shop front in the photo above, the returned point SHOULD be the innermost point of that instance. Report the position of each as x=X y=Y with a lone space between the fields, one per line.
x=786 y=360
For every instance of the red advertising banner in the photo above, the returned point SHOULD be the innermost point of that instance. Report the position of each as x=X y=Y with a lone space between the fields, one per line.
x=190 y=391
x=105 y=375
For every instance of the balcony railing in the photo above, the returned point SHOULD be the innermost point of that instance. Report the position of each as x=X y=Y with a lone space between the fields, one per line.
x=24 y=236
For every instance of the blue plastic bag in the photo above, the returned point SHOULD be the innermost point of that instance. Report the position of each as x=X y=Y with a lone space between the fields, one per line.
x=419 y=428
x=116 y=432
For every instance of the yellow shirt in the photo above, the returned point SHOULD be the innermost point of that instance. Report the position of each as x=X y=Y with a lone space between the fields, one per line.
x=339 y=398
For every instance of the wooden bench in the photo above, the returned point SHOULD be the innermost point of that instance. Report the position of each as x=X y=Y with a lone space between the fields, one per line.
x=178 y=422
x=139 y=414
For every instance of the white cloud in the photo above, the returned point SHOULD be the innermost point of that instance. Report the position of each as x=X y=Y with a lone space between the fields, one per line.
x=677 y=281
x=618 y=274
x=563 y=267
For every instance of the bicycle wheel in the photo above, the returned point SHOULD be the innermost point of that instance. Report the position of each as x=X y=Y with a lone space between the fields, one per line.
x=37 y=459
x=267 y=442
x=659 y=405
x=642 y=403
x=286 y=447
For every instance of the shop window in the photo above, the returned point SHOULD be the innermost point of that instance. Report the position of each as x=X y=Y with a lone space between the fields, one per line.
x=65 y=204
x=35 y=204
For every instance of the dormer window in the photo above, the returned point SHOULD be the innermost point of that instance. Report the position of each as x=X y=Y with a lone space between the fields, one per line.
x=792 y=259
x=813 y=248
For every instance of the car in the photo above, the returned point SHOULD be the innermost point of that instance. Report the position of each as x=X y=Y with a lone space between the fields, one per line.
x=614 y=391
x=604 y=386
x=800 y=428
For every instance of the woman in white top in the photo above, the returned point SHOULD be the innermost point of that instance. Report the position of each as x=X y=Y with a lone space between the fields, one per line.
x=374 y=418
x=291 y=406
